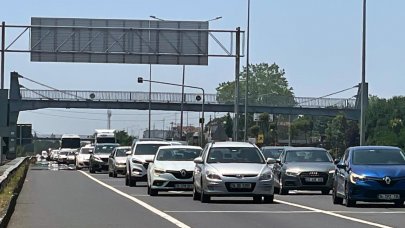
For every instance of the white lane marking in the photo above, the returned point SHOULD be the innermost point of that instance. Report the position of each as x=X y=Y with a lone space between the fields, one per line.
x=139 y=195
x=140 y=202
x=286 y=212
x=333 y=214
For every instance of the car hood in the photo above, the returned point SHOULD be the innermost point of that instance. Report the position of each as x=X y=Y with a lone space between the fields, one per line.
x=237 y=168
x=175 y=165
x=143 y=158
x=102 y=155
x=120 y=159
x=310 y=166
x=379 y=171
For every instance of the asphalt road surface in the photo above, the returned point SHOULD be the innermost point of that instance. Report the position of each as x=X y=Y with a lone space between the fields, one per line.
x=54 y=197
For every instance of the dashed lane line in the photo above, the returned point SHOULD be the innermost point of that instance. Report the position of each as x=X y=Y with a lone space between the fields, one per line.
x=333 y=214
x=140 y=202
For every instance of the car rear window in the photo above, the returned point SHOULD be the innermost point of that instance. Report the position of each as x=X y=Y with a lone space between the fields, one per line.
x=148 y=149
x=378 y=157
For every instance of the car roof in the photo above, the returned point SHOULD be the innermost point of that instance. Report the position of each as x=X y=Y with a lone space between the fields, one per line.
x=232 y=144
x=123 y=147
x=180 y=147
x=374 y=147
x=152 y=142
x=106 y=144
x=274 y=147
x=149 y=139
x=304 y=148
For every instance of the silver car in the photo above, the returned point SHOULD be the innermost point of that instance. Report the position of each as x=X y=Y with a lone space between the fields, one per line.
x=233 y=169
x=117 y=161
x=172 y=169
x=304 y=168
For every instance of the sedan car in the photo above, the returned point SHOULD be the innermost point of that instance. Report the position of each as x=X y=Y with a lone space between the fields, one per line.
x=62 y=156
x=99 y=158
x=370 y=174
x=82 y=159
x=172 y=169
x=71 y=156
x=272 y=151
x=233 y=169
x=304 y=168
x=117 y=161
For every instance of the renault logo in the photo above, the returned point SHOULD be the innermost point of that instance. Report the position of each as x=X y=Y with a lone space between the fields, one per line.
x=387 y=180
x=183 y=172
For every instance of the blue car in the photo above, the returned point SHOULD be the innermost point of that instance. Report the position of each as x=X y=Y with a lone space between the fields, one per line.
x=370 y=174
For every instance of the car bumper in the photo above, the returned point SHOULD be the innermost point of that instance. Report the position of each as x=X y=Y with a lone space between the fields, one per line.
x=120 y=168
x=167 y=182
x=299 y=183
x=100 y=165
x=83 y=164
x=139 y=170
x=223 y=188
x=369 y=192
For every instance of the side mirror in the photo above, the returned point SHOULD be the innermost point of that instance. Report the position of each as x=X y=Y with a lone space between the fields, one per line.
x=128 y=153
x=341 y=166
x=198 y=160
x=270 y=161
x=336 y=161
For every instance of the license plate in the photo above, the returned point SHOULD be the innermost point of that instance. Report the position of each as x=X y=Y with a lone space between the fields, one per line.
x=183 y=186
x=388 y=196
x=314 y=179
x=240 y=185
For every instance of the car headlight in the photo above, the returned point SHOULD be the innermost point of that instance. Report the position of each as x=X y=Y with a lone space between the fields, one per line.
x=331 y=171
x=157 y=172
x=266 y=175
x=212 y=176
x=292 y=172
x=136 y=161
x=354 y=178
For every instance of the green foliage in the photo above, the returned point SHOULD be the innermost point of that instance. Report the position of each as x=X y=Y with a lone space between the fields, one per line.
x=123 y=138
x=304 y=124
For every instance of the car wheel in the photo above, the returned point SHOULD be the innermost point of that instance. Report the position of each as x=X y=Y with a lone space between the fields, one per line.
x=114 y=174
x=325 y=192
x=110 y=174
x=204 y=197
x=153 y=192
x=399 y=203
x=257 y=199
x=196 y=195
x=282 y=191
x=268 y=199
x=78 y=168
x=336 y=199
x=349 y=202
x=132 y=182
x=91 y=169
x=126 y=180
x=276 y=190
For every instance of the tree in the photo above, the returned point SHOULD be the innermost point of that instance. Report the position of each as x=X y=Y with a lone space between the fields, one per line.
x=123 y=138
x=304 y=124
x=336 y=134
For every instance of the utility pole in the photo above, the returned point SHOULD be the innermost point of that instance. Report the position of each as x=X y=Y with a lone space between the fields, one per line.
x=364 y=92
x=237 y=71
x=109 y=114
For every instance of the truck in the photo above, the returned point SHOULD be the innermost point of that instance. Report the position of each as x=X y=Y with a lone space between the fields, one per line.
x=104 y=136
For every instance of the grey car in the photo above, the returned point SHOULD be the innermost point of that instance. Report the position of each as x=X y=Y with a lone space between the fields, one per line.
x=117 y=161
x=233 y=169
x=304 y=168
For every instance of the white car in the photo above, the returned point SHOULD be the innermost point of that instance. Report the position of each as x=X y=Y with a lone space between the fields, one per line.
x=82 y=159
x=62 y=156
x=138 y=160
x=172 y=169
x=71 y=157
x=54 y=155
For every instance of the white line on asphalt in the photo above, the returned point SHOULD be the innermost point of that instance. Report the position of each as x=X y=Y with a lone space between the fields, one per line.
x=333 y=214
x=140 y=202
x=266 y=212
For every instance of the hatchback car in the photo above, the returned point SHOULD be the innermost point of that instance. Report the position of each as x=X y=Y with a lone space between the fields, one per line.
x=370 y=174
x=82 y=159
x=98 y=160
x=304 y=168
x=172 y=169
x=117 y=161
x=233 y=169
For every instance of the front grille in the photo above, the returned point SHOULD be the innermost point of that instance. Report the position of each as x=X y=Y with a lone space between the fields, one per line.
x=145 y=165
x=304 y=175
x=178 y=174
x=228 y=187
x=240 y=175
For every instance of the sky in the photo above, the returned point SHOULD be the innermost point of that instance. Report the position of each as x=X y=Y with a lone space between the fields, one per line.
x=317 y=42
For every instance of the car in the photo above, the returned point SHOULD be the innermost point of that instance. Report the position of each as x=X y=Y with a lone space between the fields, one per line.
x=98 y=160
x=172 y=169
x=117 y=161
x=44 y=155
x=272 y=151
x=62 y=156
x=233 y=169
x=304 y=168
x=82 y=159
x=137 y=164
x=71 y=157
x=370 y=174
x=54 y=155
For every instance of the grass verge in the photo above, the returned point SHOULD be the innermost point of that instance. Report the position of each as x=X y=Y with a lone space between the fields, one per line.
x=12 y=185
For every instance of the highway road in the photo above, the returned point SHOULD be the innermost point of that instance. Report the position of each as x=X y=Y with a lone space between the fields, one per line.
x=70 y=198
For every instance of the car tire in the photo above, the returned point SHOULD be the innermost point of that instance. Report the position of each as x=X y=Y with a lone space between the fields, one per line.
x=399 y=203
x=336 y=199
x=114 y=174
x=153 y=192
x=196 y=195
x=276 y=190
x=325 y=192
x=257 y=199
x=132 y=182
x=78 y=168
x=349 y=202
x=91 y=169
x=268 y=199
x=282 y=191
x=204 y=197
x=109 y=174
x=126 y=180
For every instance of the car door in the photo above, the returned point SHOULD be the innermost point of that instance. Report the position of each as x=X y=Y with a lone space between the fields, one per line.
x=341 y=174
x=198 y=169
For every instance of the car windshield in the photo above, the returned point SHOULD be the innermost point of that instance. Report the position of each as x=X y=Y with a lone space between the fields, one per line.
x=178 y=154
x=86 y=150
x=308 y=156
x=272 y=152
x=378 y=157
x=121 y=152
x=235 y=155
x=104 y=149
x=148 y=149
x=63 y=153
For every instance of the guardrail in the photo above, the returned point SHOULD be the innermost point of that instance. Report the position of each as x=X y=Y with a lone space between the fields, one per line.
x=8 y=171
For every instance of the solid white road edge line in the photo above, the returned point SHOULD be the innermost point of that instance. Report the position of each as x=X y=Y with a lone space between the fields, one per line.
x=140 y=202
x=287 y=212
x=333 y=214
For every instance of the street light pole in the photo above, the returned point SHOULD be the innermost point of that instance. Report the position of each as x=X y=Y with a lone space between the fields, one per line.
x=141 y=80
x=247 y=74
x=364 y=93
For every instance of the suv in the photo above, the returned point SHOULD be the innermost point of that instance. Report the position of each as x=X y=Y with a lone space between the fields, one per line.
x=99 y=157
x=138 y=160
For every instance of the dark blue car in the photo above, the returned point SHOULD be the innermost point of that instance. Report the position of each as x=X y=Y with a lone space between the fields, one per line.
x=370 y=174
